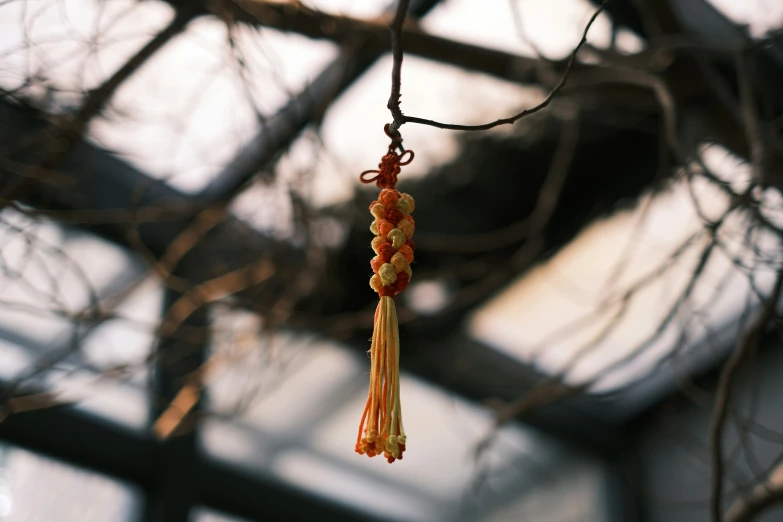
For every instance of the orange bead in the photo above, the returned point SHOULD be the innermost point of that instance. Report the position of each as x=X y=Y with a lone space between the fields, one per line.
x=409 y=199
x=387 y=251
x=407 y=253
x=399 y=262
x=394 y=215
x=384 y=228
x=376 y=263
x=402 y=281
x=377 y=243
x=387 y=291
x=389 y=198
x=378 y=211
x=406 y=227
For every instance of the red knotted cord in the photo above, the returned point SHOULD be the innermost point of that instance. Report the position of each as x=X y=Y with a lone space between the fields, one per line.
x=389 y=167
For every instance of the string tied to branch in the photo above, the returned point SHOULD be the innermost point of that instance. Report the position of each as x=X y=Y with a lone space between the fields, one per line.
x=389 y=167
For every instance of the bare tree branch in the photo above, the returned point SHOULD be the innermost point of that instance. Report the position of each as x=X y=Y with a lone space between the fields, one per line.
x=749 y=116
x=402 y=119
x=763 y=496
x=396 y=41
x=726 y=383
x=97 y=99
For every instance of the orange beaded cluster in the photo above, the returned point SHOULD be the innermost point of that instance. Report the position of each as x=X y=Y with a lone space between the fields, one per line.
x=393 y=228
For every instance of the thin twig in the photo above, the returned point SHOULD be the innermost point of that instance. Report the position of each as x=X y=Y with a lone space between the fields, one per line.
x=400 y=118
x=749 y=117
x=213 y=290
x=97 y=99
x=396 y=42
x=725 y=383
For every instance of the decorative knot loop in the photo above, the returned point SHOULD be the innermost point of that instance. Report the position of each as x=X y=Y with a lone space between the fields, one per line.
x=389 y=167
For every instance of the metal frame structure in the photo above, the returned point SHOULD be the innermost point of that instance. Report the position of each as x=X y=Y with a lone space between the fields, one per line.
x=175 y=474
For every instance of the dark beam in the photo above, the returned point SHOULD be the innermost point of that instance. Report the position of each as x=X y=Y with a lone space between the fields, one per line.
x=624 y=490
x=375 y=36
x=177 y=361
x=239 y=493
x=83 y=440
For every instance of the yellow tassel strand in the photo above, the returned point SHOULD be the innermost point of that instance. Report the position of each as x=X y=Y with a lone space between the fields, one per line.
x=381 y=430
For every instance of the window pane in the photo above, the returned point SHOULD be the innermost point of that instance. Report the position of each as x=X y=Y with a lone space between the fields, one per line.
x=761 y=17
x=52 y=280
x=37 y=489
x=201 y=514
x=367 y=9
x=54 y=50
x=204 y=95
x=620 y=301
x=552 y=26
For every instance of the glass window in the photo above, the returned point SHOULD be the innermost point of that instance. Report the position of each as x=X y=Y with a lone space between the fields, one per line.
x=49 y=273
x=506 y=26
x=204 y=95
x=202 y=514
x=608 y=308
x=53 y=279
x=66 y=47
x=38 y=489
x=759 y=16
x=367 y=9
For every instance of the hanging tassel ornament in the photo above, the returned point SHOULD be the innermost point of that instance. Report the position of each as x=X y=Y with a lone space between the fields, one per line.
x=381 y=430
